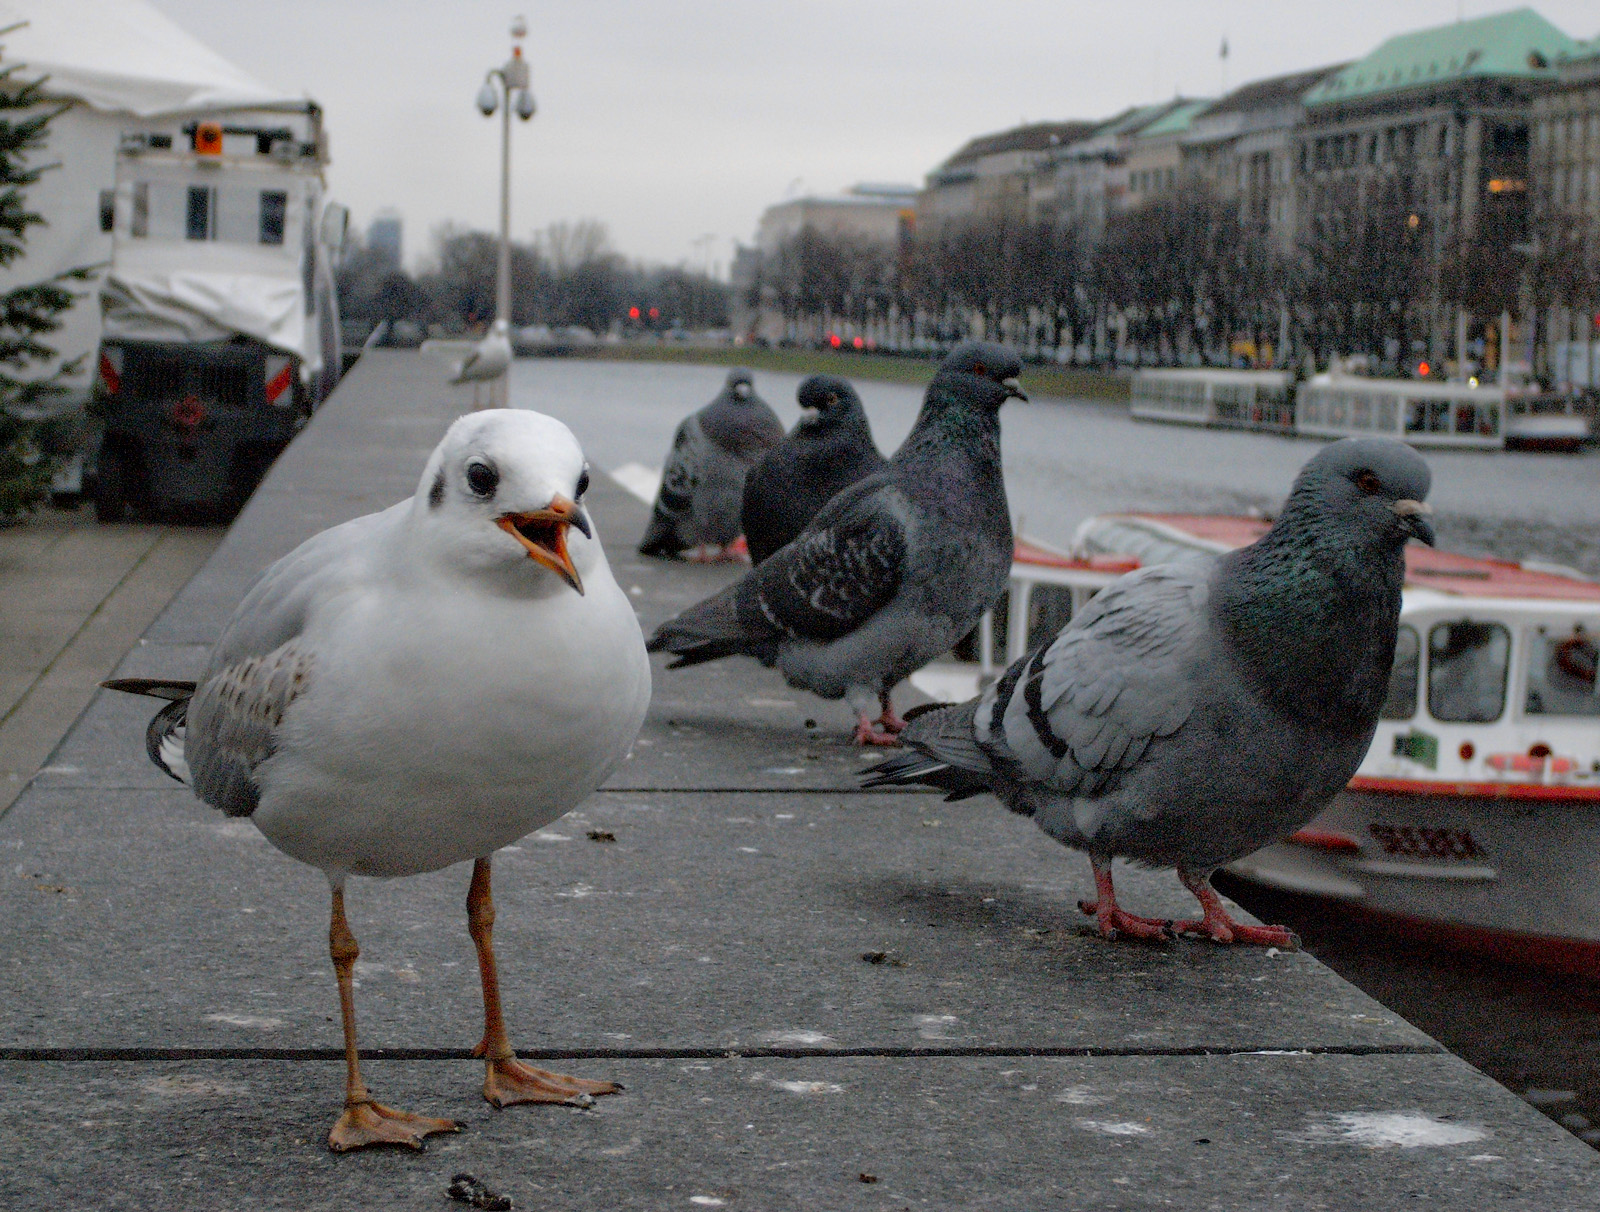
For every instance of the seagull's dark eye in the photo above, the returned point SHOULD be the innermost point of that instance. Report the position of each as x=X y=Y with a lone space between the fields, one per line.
x=1368 y=483
x=482 y=478
x=583 y=483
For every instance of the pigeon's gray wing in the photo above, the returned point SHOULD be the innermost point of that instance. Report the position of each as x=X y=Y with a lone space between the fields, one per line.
x=1077 y=714
x=671 y=515
x=261 y=663
x=841 y=570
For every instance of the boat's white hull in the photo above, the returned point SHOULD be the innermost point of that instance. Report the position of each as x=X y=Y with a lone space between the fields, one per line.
x=1510 y=871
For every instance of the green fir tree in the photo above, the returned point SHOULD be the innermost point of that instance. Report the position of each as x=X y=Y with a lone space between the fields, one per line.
x=27 y=313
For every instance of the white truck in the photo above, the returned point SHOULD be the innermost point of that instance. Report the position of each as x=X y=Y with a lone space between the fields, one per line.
x=220 y=327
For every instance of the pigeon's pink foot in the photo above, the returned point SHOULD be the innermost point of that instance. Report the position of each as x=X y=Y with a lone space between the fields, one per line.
x=1219 y=927
x=1113 y=920
x=890 y=720
x=737 y=552
x=868 y=733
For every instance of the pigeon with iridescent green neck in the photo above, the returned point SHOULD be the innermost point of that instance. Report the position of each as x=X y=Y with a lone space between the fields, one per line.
x=1195 y=712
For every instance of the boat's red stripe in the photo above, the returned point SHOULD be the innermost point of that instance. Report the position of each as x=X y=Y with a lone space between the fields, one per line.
x=1502 y=791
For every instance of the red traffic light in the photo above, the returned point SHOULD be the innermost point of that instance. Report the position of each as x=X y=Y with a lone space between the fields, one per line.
x=633 y=313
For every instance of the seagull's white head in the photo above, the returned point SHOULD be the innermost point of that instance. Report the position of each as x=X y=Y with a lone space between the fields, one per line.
x=502 y=493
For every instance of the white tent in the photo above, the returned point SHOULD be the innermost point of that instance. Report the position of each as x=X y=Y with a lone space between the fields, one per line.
x=117 y=62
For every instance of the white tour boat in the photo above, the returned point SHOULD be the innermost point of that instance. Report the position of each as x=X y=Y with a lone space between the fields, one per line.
x=1423 y=412
x=1475 y=818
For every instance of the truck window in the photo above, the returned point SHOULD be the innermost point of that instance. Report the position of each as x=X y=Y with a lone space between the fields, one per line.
x=274 y=211
x=1561 y=674
x=1467 y=671
x=140 y=222
x=1402 y=701
x=198 y=216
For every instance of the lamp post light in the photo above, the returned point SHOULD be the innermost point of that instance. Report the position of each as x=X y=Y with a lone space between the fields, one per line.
x=513 y=77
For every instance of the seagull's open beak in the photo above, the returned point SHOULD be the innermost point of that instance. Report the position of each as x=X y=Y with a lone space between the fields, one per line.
x=1414 y=517
x=1013 y=391
x=544 y=534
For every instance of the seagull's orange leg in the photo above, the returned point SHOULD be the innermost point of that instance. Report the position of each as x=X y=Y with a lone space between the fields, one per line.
x=1219 y=926
x=508 y=1080
x=365 y=1122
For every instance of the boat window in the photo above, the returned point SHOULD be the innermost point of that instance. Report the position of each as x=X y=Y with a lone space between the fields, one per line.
x=1561 y=674
x=1467 y=671
x=1402 y=701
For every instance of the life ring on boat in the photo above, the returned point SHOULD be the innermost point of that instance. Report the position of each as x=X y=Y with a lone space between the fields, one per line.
x=1575 y=656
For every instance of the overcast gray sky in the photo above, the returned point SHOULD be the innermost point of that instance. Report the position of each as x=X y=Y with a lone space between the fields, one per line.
x=669 y=121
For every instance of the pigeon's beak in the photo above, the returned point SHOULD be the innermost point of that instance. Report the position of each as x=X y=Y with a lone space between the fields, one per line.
x=544 y=534
x=809 y=415
x=1013 y=391
x=1414 y=517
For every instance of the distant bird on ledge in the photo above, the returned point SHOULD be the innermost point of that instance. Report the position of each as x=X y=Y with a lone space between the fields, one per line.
x=475 y=362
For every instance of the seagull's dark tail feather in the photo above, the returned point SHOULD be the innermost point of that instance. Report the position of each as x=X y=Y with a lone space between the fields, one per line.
x=163 y=737
x=942 y=754
x=710 y=631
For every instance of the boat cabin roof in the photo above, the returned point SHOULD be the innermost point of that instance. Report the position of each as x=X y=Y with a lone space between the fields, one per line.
x=1121 y=542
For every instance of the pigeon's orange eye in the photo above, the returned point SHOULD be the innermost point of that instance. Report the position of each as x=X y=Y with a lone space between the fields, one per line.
x=1368 y=483
x=980 y=369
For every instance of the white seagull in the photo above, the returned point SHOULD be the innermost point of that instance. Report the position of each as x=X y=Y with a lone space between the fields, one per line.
x=475 y=362
x=419 y=687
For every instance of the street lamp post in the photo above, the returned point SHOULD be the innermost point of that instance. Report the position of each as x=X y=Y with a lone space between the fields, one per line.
x=513 y=77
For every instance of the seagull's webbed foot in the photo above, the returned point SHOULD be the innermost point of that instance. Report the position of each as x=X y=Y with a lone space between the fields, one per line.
x=868 y=732
x=509 y=1081
x=366 y=1124
x=1218 y=925
x=1111 y=918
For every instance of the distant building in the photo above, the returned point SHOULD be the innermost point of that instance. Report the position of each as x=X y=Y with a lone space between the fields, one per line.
x=1565 y=160
x=1243 y=146
x=1443 y=111
x=385 y=234
x=1085 y=181
x=881 y=214
x=994 y=174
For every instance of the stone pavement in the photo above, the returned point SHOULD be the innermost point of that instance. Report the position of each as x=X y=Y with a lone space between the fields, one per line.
x=817 y=998
x=74 y=596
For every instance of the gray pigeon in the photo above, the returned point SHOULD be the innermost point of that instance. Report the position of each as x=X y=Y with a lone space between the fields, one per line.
x=702 y=485
x=1195 y=712
x=829 y=449
x=893 y=570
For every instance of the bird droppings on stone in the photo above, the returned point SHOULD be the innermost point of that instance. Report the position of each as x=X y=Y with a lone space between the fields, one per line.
x=466 y=1189
x=888 y=958
x=602 y=835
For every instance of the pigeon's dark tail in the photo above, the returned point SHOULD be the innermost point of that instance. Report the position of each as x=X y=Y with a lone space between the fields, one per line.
x=660 y=537
x=708 y=632
x=163 y=737
x=943 y=754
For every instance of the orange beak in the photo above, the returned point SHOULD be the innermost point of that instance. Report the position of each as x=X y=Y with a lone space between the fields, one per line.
x=544 y=534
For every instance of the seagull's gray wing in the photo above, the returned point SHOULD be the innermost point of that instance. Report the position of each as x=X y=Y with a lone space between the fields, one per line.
x=261 y=663
x=841 y=570
x=1078 y=714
